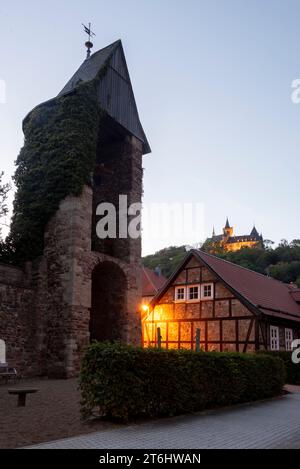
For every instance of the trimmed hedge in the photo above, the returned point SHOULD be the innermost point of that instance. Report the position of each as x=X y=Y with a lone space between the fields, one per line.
x=292 y=369
x=121 y=381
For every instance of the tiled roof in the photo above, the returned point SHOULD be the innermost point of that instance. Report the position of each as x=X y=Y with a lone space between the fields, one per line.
x=151 y=282
x=295 y=294
x=270 y=296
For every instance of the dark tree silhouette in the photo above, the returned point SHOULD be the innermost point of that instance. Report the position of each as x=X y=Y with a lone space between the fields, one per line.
x=4 y=190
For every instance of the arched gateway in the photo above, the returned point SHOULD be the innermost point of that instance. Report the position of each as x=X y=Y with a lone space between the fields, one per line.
x=109 y=302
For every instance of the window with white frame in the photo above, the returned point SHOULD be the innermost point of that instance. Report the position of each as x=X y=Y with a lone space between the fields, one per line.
x=288 y=339
x=274 y=338
x=207 y=291
x=179 y=293
x=193 y=292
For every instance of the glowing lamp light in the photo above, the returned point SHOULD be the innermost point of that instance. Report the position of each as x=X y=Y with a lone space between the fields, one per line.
x=145 y=308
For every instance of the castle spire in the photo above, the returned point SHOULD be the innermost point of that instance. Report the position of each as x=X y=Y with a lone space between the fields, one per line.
x=227 y=225
x=254 y=232
x=213 y=232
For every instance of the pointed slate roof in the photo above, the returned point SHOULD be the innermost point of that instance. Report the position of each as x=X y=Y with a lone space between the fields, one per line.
x=89 y=69
x=254 y=232
x=115 y=90
x=227 y=223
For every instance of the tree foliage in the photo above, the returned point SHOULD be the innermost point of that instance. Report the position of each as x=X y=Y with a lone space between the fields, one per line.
x=292 y=369
x=282 y=262
x=167 y=259
x=4 y=190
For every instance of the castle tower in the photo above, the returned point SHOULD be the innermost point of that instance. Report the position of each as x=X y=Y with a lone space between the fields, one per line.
x=227 y=230
x=90 y=288
x=254 y=233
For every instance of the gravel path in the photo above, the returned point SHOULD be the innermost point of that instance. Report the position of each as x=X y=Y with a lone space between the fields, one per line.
x=52 y=413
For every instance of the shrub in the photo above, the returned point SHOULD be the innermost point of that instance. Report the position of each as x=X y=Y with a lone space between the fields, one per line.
x=121 y=381
x=292 y=369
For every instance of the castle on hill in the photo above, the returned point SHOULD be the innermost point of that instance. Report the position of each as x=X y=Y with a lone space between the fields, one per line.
x=229 y=242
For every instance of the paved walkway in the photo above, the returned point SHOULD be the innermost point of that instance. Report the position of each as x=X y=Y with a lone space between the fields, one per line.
x=269 y=424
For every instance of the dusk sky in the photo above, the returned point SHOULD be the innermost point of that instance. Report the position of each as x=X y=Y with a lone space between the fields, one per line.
x=212 y=81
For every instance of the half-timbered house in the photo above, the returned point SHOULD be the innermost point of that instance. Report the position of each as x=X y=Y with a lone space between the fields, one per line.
x=234 y=308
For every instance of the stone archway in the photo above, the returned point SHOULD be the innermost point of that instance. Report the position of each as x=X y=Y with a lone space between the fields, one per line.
x=109 y=302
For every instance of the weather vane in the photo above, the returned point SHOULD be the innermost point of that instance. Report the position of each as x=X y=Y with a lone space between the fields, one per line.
x=88 y=44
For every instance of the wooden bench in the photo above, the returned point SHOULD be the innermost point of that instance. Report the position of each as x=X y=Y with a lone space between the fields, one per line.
x=7 y=372
x=22 y=393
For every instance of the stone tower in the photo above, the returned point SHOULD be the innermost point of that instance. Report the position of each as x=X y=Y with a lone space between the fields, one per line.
x=90 y=288
x=227 y=230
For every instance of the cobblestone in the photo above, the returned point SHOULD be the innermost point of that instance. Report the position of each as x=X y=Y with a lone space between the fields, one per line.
x=269 y=424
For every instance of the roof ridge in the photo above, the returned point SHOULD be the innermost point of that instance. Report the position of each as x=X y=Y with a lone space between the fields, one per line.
x=242 y=267
x=146 y=273
x=112 y=45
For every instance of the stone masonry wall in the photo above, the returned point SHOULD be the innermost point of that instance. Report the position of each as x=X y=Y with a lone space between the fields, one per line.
x=64 y=280
x=17 y=319
x=45 y=310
